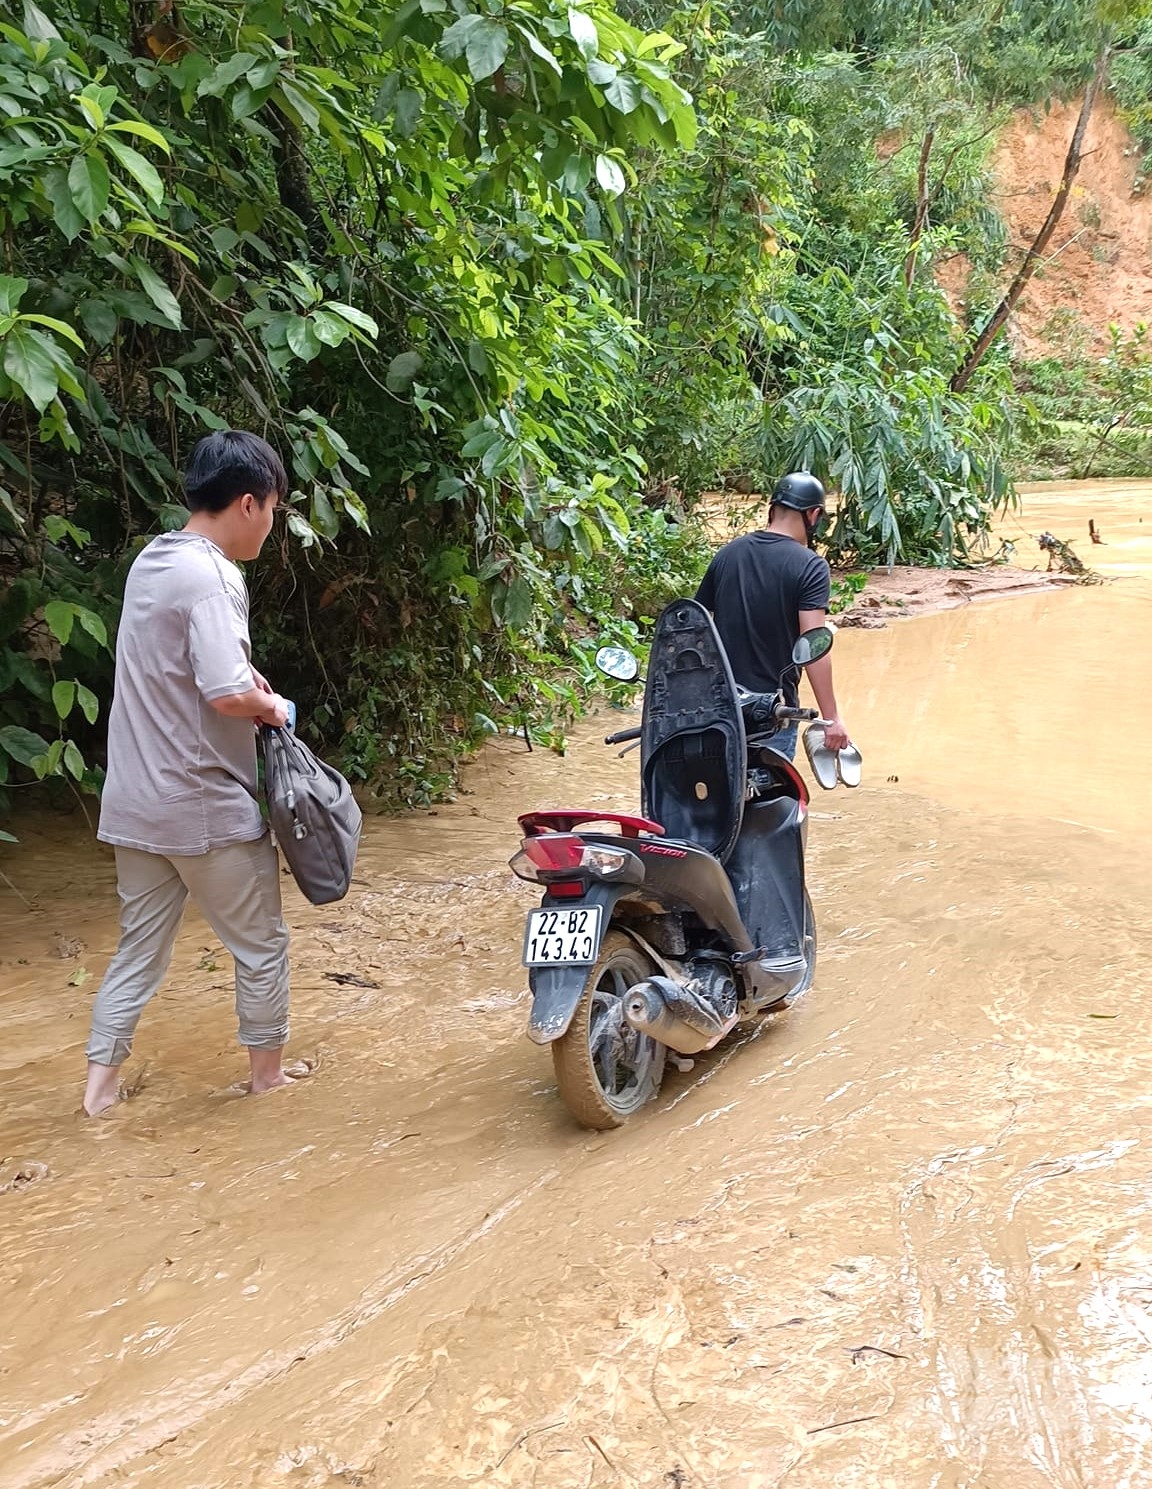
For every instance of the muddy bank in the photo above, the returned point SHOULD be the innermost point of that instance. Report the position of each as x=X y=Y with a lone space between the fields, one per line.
x=898 y=1241
x=896 y=592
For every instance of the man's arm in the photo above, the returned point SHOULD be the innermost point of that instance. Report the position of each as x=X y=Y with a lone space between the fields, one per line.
x=256 y=704
x=219 y=654
x=820 y=677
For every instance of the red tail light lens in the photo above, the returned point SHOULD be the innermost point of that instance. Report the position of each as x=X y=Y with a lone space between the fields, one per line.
x=555 y=850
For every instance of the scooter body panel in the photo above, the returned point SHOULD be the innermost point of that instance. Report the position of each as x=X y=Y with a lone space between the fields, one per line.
x=685 y=878
x=766 y=868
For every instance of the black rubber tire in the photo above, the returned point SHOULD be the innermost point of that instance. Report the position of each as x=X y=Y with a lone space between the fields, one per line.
x=809 y=947
x=621 y=966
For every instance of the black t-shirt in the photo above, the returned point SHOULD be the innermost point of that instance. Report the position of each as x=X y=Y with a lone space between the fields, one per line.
x=756 y=587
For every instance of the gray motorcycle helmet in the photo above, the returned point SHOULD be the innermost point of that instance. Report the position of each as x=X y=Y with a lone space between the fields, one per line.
x=800 y=491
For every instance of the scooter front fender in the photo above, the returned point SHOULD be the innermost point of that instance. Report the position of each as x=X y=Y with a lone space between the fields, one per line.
x=556 y=991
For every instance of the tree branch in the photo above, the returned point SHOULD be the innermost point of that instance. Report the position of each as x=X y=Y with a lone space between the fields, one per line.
x=996 y=320
x=920 y=222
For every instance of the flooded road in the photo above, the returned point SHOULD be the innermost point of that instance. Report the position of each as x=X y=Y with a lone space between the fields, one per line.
x=900 y=1240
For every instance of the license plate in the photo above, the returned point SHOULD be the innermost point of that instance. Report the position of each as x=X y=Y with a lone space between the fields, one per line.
x=562 y=937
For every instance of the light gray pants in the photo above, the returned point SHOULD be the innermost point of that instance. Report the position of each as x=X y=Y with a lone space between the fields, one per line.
x=237 y=889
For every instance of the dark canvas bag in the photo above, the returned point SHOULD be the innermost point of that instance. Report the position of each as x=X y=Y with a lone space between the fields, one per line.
x=313 y=814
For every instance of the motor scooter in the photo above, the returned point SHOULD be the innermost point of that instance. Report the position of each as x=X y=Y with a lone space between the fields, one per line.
x=657 y=934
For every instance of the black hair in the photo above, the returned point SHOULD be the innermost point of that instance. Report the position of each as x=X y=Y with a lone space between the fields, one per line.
x=230 y=464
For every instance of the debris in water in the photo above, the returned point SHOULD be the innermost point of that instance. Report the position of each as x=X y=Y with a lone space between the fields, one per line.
x=20 y=1175
x=350 y=979
x=858 y=1351
x=1063 y=554
x=850 y=1422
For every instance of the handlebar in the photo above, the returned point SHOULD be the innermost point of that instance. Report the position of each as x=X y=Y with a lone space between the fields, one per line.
x=783 y=715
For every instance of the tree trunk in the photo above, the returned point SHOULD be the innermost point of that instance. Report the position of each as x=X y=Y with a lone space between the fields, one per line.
x=292 y=183
x=920 y=222
x=995 y=322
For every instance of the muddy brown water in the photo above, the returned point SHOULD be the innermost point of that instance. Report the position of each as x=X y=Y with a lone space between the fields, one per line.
x=900 y=1238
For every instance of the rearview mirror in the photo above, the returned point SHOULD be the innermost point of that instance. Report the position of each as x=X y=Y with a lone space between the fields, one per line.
x=813 y=645
x=618 y=662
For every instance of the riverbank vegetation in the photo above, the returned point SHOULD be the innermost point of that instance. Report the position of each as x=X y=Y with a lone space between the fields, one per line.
x=510 y=283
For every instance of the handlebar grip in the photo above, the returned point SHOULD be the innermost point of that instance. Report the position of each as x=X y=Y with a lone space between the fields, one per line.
x=622 y=736
x=798 y=714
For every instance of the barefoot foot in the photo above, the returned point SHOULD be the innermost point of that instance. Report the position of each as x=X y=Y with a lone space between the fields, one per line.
x=103 y=1090
x=271 y=1078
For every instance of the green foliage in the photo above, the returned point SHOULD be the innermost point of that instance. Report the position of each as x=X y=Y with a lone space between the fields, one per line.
x=863 y=401
x=221 y=224
x=1092 y=417
x=1131 y=78
x=509 y=285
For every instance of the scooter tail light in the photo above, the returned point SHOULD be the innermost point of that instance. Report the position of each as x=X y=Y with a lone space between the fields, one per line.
x=558 y=853
x=523 y=867
x=567 y=889
x=554 y=850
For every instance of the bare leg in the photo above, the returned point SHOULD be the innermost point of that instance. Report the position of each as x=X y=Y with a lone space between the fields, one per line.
x=267 y=1070
x=102 y=1089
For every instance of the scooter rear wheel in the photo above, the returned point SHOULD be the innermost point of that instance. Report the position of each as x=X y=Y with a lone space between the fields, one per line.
x=809 y=947
x=606 y=1070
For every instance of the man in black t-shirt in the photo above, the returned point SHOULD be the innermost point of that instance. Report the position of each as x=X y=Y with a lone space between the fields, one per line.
x=764 y=590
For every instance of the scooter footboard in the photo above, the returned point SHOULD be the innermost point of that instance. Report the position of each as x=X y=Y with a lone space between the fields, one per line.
x=556 y=991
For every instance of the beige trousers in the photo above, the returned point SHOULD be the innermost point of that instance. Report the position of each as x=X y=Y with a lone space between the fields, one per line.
x=237 y=890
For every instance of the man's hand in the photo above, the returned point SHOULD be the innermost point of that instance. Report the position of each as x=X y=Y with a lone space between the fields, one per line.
x=835 y=735
x=275 y=712
x=261 y=681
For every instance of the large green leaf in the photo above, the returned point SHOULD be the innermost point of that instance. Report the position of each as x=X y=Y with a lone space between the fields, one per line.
x=355 y=317
x=21 y=744
x=142 y=131
x=409 y=106
x=518 y=604
x=623 y=93
x=12 y=291
x=29 y=362
x=63 y=697
x=140 y=169
x=584 y=33
x=60 y=617
x=89 y=703
x=92 y=623
x=610 y=176
x=65 y=213
x=90 y=184
x=403 y=371
x=37 y=25
x=159 y=293
x=302 y=338
x=486 y=49
x=226 y=75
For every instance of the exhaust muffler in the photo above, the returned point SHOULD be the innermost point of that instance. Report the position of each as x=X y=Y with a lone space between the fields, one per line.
x=676 y=1016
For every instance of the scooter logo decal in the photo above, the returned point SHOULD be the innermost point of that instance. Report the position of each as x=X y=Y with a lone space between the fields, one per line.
x=664 y=852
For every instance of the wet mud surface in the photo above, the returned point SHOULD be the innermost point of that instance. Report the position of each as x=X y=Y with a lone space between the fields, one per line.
x=899 y=1238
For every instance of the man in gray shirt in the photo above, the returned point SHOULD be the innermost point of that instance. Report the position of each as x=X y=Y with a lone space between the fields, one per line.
x=180 y=801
